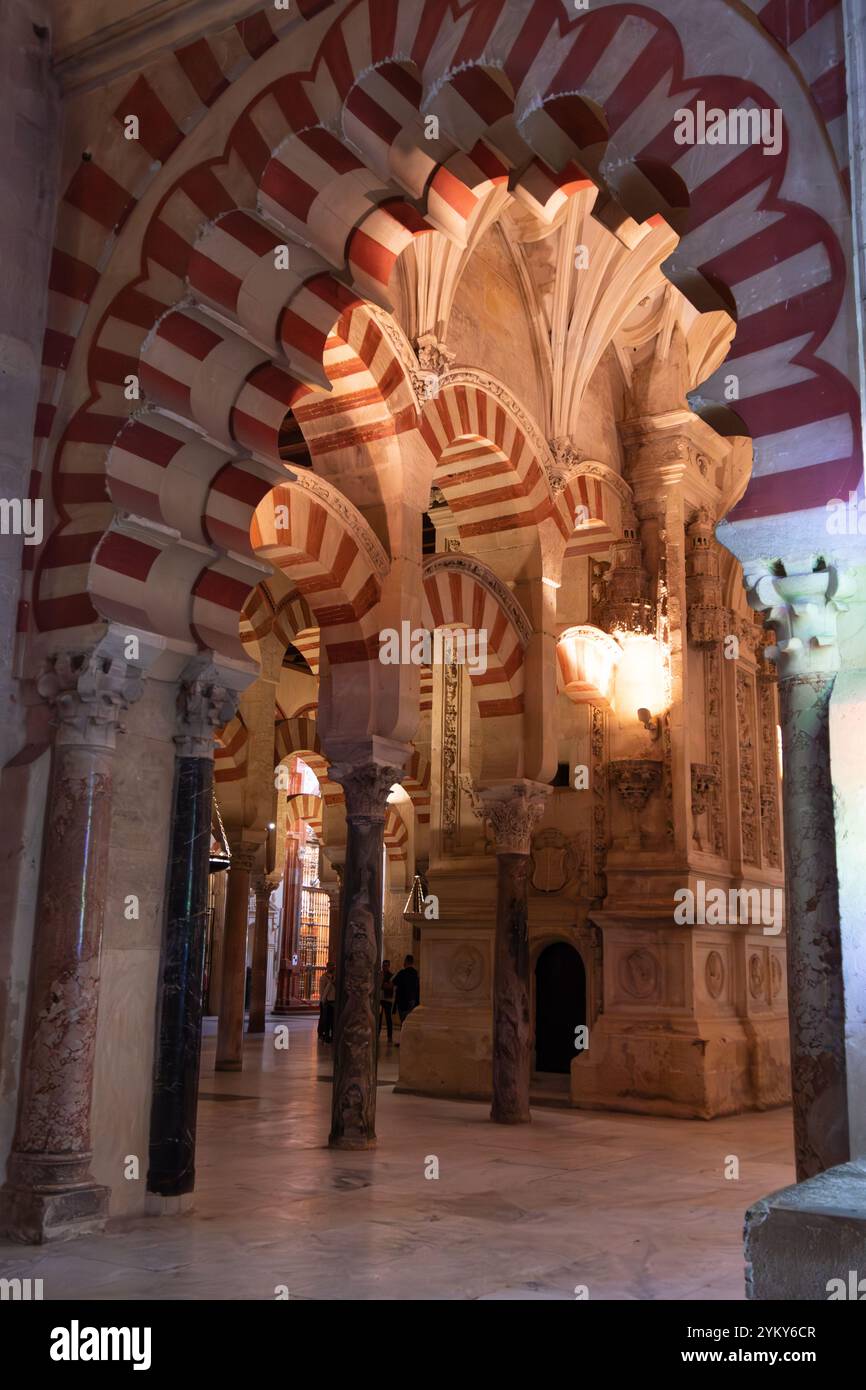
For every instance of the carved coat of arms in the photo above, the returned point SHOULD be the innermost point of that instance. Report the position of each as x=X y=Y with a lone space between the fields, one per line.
x=552 y=861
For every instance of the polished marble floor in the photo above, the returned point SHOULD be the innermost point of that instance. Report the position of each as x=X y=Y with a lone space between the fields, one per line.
x=627 y=1207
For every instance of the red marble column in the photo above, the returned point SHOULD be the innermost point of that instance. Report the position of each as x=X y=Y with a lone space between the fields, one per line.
x=353 y=1118
x=230 y=1030
x=291 y=903
x=50 y=1193
x=511 y=810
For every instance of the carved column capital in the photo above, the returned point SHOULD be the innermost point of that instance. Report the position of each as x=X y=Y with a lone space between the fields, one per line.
x=88 y=692
x=802 y=599
x=366 y=787
x=204 y=704
x=263 y=885
x=511 y=809
x=244 y=855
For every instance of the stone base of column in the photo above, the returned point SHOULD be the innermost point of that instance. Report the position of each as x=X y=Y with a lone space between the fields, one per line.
x=807 y=1242
x=43 y=1202
x=157 y=1205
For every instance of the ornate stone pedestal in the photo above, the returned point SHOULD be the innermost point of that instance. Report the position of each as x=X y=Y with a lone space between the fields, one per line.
x=49 y=1192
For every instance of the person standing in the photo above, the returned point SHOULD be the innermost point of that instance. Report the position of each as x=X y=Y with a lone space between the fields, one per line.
x=386 y=1000
x=407 y=989
x=327 y=996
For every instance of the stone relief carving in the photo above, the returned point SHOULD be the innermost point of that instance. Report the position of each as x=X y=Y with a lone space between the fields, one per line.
x=511 y=810
x=770 y=837
x=555 y=860
x=714 y=972
x=466 y=969
x=598 y=751
x=88 y=692
x=639 y=974
x=776 y=976
x=707 y=616
x=748 y=775
x=203 y=706
x=705 y=779
x=757 y=981
x=366 y=787
x=717 y=827
x=451 y=721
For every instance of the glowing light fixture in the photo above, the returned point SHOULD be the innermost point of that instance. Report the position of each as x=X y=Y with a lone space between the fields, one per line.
x=639 y=689
x=588 y=660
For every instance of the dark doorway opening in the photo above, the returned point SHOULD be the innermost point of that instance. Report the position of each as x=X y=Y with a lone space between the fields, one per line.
x=560 y=1006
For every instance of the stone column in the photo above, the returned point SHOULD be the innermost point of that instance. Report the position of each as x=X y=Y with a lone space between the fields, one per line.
x=204 y=704
x=230 y=1033
x=50 y=1193
x=366 y=787
x=291 y=904
x=512 y=810
x=263 y=888
x=801 y=603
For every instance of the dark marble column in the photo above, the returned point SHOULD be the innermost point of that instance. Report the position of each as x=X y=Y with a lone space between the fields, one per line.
x=353 y=1118
x=204 y=704
x=263 y=888
x=50 y=1193
x=230 y=1032
x=512 y=811
x=291 y=901
x=801 y=605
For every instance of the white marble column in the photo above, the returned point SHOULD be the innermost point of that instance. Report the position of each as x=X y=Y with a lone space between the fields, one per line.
x=801 y=599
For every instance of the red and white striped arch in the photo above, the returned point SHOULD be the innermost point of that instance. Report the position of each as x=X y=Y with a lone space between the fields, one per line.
x=487 y=465
x=305 y=809
x=396 y=835
x=327 y=563
x=775 y=233
x=457 y=598
x=230 y=751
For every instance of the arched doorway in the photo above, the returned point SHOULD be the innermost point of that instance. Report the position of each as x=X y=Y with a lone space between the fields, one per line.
x=560 y=1006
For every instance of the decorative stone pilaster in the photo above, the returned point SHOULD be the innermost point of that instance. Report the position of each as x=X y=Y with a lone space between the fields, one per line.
x=801 y=601
x=365 y=787
x=705 y=779
x=204 y=704
x=50 y=1193
x=512 y=811
x=230 y=1033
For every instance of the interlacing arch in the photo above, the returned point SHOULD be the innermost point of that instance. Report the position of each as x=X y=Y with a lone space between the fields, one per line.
x=301 y=528
x=515 y=88
x=462 y=593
